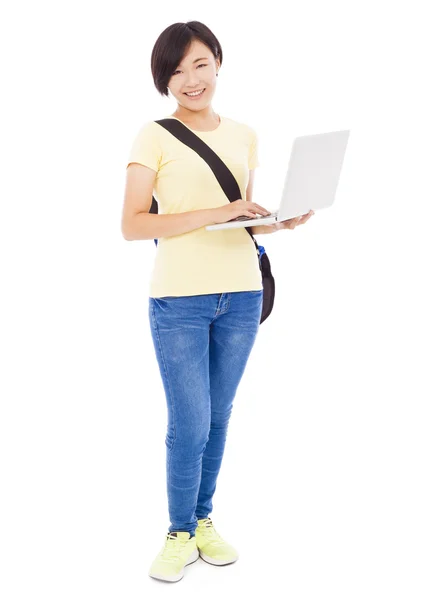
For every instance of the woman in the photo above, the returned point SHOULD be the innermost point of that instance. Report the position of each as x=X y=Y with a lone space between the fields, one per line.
x=206 y=293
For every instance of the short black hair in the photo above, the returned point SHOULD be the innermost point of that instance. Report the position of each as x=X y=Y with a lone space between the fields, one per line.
x=171 y=46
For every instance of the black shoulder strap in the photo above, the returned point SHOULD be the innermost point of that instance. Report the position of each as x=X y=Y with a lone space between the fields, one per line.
x=223 y=174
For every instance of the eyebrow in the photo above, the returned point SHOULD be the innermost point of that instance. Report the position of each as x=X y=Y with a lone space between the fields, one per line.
x=197 y=59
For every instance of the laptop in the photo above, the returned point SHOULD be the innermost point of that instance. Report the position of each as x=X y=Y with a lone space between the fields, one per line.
x=311 y=181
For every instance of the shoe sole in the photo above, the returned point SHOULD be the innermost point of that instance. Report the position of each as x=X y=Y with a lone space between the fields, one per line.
x=215 y=561
x=174 y=578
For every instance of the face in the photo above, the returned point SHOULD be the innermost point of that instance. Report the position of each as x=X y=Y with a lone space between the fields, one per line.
x=196 y=71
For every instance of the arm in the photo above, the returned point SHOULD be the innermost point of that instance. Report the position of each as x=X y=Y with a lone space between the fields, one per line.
x=138 y=224
x=259 y=229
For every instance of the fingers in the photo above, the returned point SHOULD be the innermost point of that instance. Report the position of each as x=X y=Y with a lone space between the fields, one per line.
x=262 y=210
x=292 y=223
x=306 y=217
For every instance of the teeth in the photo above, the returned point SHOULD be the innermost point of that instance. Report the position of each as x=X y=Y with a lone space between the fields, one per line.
x=195 y=94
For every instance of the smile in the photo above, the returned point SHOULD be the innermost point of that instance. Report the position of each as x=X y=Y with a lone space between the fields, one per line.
x=195 y=94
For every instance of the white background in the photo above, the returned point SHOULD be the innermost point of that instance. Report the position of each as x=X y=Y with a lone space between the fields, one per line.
x=333 y=483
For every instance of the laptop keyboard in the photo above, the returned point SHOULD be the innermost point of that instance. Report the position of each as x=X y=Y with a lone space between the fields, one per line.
x=245 y=218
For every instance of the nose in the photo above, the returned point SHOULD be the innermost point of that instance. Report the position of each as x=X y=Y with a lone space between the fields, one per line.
x=191 y=85
x=192 y=81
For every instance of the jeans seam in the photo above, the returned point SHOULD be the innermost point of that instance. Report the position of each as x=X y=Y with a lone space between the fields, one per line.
x=224 y=312
x=167 y=379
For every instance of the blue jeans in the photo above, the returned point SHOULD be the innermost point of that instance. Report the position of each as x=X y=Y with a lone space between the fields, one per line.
x=202 y=344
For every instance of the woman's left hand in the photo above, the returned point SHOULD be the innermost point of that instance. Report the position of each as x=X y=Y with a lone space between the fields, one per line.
x=289 y=223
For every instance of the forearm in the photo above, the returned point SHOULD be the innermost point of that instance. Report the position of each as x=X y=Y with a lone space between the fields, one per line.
x=258 y=229
x=148 y=226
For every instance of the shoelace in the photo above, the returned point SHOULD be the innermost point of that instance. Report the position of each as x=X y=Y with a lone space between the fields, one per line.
x=173 y=548
x=207 y=529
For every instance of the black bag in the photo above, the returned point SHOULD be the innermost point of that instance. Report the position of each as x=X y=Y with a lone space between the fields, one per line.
x=231 y=188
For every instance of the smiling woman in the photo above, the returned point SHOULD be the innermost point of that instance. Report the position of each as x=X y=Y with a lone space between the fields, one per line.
x=185 y=62
x=173 y=64
x=206 y=291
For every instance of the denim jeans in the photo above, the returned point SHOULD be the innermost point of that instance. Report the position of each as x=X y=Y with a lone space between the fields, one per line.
x=202 y=344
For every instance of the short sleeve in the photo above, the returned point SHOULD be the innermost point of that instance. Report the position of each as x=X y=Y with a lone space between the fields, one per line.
x=146 y=148
x=253 y=160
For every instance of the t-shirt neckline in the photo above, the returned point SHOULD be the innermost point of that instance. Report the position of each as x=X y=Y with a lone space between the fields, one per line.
x=198 y=130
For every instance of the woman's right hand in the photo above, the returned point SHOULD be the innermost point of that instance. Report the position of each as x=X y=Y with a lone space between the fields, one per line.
x=238 y=208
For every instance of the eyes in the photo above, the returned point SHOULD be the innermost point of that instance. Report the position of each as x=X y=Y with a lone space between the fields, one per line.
x=202 y=65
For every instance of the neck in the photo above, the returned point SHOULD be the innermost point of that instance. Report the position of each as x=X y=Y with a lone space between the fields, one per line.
x=205 y=116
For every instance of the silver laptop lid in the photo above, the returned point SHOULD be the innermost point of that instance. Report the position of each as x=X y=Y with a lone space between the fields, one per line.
x=313 y=173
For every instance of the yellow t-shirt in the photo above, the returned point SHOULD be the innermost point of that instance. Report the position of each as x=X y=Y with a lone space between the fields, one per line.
x=199 y=261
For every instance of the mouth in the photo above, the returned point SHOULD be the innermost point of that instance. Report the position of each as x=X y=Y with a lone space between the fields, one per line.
x=196 y=95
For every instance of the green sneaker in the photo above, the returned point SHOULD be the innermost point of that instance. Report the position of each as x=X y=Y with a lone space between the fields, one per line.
x=212 y=548
x=179 y=550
